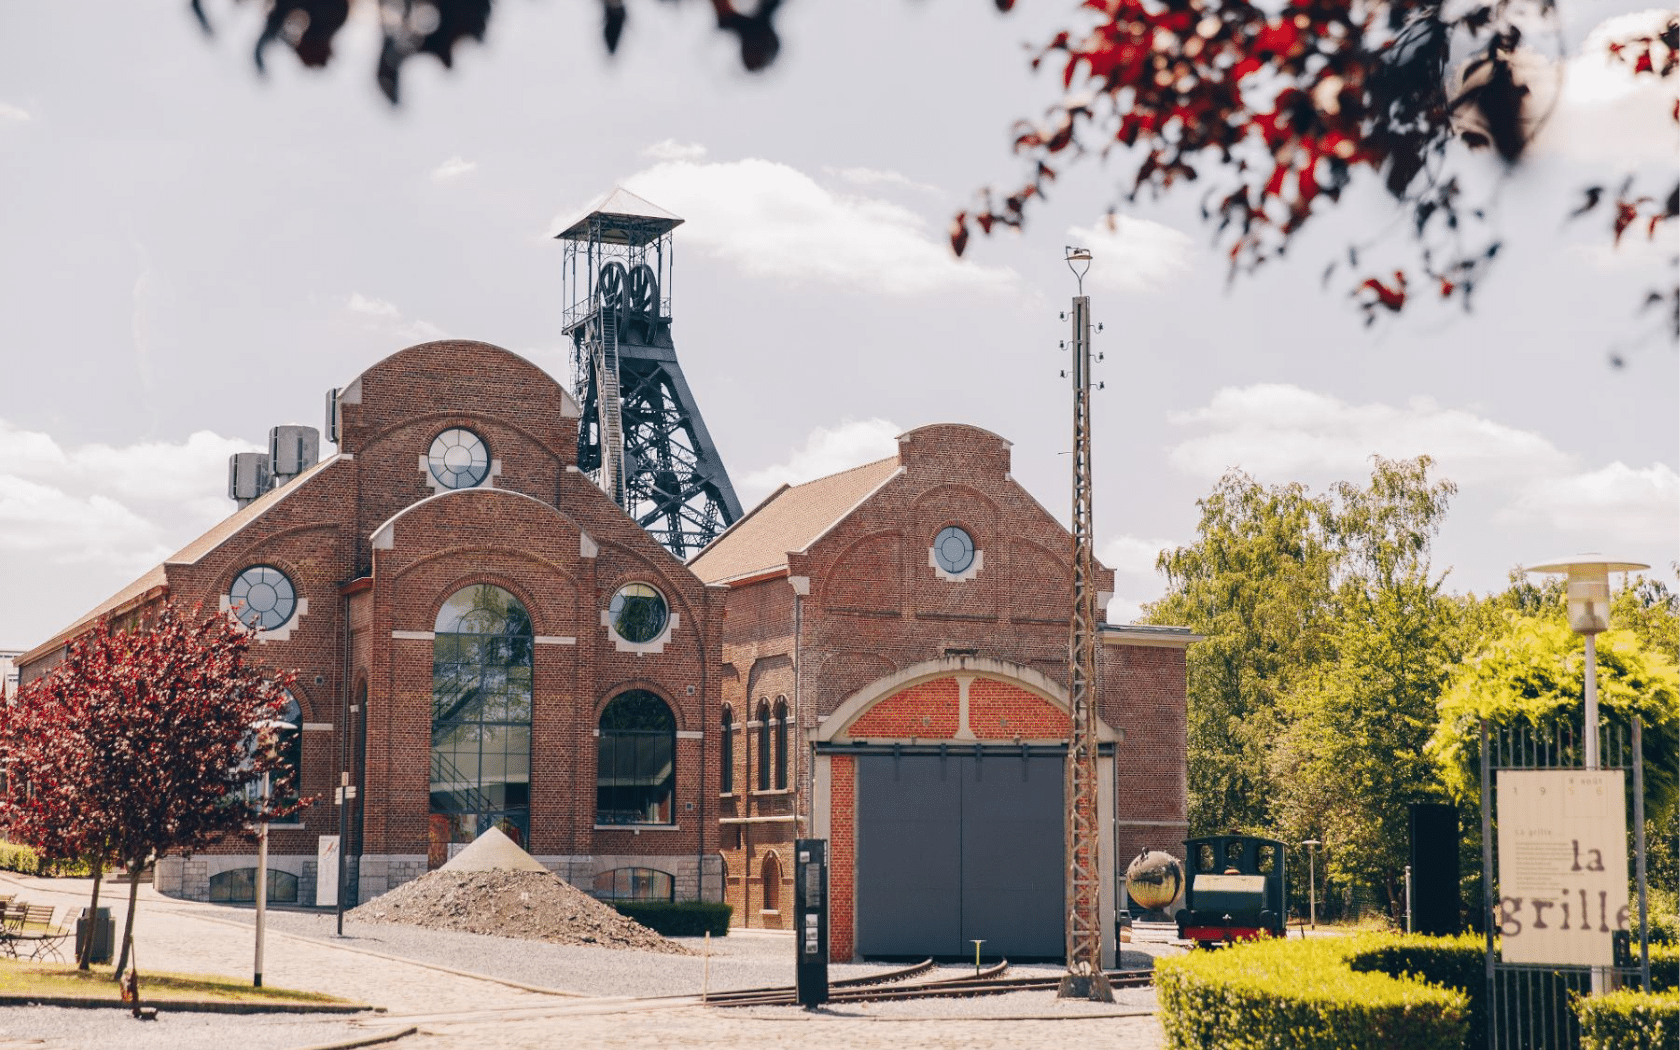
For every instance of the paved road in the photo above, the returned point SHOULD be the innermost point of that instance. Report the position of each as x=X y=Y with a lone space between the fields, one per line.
x=461 y=1012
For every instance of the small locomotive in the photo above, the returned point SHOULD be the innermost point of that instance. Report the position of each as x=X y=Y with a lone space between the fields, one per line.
x=1234 y=890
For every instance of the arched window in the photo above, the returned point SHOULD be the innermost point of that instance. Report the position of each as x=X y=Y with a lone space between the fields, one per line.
x=636 y=761
x=239 y=886
x=634 y=884
x=764 y=745
x=781 y=745
x=288 y=783
x=772 y=877
x=481 y=719
x=727 y=773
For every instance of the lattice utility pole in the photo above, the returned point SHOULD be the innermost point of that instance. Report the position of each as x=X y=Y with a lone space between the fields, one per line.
x=1084 y=978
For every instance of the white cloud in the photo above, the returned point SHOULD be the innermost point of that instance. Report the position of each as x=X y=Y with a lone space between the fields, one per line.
x=827 y=450
x=1279 y=432
x=14 y=113
x=1130 y=254
x=1129 y=554
x=671 y=149
x=1275 y=430
x=1604 y=112
x=454 y=168
x=880 y=177
x=1631 y=505
x=125 y=506
x=381 y=315
x=774 y=221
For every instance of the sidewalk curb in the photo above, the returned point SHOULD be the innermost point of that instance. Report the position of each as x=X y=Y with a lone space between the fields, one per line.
x=189 y=1006
x=366 y=1040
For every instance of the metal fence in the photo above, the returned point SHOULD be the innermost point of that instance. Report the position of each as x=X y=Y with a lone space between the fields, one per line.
x=1529 y=1007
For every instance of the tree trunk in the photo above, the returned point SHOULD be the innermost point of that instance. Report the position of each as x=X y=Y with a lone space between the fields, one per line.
x=92 y=914
x=128 y=923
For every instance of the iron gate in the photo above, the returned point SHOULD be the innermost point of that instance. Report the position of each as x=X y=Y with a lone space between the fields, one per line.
x=1528 y=1006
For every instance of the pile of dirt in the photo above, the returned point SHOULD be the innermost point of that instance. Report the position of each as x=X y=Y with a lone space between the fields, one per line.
x=528 y=905
x=495 y=887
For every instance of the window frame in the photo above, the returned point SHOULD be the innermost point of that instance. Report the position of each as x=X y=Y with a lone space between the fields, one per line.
x=726 y=760
x=762 y=780
x=643 y=746
x=780 y=779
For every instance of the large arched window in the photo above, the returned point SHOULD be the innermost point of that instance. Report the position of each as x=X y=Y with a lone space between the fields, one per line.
x=636 y=761
x=481 y=719
x=727 y=773
x=781 y=745
x=288 y=784
x=764 y=745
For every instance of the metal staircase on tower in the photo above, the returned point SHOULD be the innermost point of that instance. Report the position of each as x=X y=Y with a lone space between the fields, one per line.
x=641 y=438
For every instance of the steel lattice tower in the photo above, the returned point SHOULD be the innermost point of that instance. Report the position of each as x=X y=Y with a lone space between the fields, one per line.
x=1085 y=978
x=641 y=437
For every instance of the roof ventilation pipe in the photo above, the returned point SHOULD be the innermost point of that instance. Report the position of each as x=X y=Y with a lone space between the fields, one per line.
x=247 y=477
x=292 y=449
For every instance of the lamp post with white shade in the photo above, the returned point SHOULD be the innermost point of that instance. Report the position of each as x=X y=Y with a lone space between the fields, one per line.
x=1589 y=614
x=1312 y=880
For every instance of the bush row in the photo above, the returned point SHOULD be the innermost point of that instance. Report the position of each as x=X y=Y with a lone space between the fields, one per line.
x=1302 y=995
x=1629 y=1020
x=22 y=859
x=679 y=918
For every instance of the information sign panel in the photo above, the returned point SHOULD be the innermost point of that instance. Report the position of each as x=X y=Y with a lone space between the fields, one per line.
x=1563 y=888
x=326 y=871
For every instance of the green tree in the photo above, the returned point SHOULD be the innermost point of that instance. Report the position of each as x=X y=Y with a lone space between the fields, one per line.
x=1257 y=583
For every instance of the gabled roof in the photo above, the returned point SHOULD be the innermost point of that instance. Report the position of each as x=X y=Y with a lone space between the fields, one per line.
x=157 y=575
x=624 y=218
x=788 y=521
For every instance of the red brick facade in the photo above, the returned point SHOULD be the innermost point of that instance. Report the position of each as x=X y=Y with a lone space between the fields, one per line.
x=374 y=550
x=871 y=643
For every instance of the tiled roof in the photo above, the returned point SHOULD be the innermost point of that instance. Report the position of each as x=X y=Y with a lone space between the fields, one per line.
x=788 y=521
x=156 y=576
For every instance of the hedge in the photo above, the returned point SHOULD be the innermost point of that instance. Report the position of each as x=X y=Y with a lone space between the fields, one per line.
x=22 y=859
x=679 y=918
x=1458 y=963
x=1301 y=995
x=1629 y=1020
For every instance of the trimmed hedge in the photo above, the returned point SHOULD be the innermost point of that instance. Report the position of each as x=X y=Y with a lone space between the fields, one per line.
x=1301 y=995
x=1458 y=963
x=1629 y=1020
x=21 y=859
x=679 y=918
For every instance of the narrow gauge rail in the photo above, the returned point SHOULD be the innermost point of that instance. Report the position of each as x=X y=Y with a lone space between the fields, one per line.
x=989 y=982
x=903 y=973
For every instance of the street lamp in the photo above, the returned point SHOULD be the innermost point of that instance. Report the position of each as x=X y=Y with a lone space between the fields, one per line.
x=1589 y=613
x=1312 y=881
x=268 y=742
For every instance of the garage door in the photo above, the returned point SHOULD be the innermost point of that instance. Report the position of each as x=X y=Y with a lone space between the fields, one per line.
x=955 y=848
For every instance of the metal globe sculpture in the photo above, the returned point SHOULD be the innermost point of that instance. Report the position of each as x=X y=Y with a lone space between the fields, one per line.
x=1155 y=879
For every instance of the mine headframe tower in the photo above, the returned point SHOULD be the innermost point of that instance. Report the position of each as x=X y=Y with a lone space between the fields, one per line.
x=641 y=438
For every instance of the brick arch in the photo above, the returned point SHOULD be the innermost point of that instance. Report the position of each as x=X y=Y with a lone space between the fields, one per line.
x=1037 y=703
x=610 y=693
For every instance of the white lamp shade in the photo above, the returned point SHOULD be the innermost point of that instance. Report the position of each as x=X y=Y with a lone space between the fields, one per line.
x=1588 y=587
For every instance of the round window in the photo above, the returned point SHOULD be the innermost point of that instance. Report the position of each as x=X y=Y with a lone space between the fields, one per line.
x=954 y=550
x=458 y=459
x=638 y=613
x=263 y=597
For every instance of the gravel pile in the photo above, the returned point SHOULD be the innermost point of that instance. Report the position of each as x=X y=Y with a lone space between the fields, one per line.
x=526 y=905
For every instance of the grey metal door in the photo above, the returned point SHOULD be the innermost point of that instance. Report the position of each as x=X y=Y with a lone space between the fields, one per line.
x=954 y=848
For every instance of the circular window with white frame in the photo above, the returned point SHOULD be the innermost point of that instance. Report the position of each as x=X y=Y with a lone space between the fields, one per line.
x=458 y=459
x=638 y=615
x=263 y=598
x=954 y=555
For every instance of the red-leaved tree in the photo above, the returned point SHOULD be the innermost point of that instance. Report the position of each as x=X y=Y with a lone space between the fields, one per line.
x=141 y=743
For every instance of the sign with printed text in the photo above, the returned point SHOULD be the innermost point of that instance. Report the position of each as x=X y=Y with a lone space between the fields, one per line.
x=326 y=871
x=1563 y=888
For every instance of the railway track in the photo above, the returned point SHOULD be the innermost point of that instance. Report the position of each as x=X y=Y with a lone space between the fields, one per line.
x=988 y=982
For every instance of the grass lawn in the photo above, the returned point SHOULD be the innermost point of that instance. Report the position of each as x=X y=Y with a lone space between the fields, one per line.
x=46 y=979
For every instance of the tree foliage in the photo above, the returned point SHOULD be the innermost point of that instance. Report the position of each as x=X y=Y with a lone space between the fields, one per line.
x=140 y=742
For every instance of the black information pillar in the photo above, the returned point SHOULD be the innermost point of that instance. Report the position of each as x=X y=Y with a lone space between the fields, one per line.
x=810 y=918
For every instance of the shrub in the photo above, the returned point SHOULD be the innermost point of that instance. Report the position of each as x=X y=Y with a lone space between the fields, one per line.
x=1301 y=995
x=21 y=859
x=1629 y=1020
x=679 y=918
x=1458 y=963
x=1665 y=967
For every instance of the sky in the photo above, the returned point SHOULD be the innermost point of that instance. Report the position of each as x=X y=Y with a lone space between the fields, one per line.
x=191 y=253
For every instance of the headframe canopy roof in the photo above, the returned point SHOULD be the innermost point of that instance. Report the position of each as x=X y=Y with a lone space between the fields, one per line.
x=621 y=217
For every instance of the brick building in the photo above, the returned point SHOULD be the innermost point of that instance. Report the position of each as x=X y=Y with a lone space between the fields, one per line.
x=894 y=680
x=485 y=634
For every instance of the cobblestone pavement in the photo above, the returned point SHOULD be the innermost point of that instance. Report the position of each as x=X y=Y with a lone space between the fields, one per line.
x=460 y=1012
